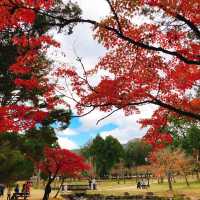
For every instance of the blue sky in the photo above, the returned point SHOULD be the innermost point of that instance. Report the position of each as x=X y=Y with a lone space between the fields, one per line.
x=82 y=137
x=84 y=129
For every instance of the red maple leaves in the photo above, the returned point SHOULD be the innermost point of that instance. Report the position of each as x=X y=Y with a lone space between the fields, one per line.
x=19 y=17
x=62 y=162
x=154 y=60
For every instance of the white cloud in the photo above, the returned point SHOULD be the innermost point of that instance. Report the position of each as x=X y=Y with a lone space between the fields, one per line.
x=63 y=139
x=127 y=126
x=94 y=9
x=66 y=143
x=124 y=134
x=65 y=132
x=118 y=118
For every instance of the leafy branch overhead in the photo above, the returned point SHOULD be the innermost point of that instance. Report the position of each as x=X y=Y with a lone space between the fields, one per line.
x=153 y=62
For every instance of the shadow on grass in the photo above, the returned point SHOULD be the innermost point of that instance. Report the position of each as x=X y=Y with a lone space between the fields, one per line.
x=147 y=196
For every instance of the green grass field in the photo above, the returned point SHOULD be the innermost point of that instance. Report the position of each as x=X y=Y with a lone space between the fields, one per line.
x=180 y=187
x=110 y=187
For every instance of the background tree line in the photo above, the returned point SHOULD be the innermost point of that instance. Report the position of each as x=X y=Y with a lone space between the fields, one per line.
x=110 y=158
x=107 y=154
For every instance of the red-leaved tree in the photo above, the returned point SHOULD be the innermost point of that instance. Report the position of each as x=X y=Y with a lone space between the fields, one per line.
x=153 y=57
x=27 y=96
x=60 y=162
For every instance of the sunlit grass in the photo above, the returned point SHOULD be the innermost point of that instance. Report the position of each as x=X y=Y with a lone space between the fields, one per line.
x=111 y=187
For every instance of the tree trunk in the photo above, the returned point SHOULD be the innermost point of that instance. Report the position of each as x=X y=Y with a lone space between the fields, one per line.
x=197 y=174
x=37 y=178
x=173 y=178
x=62 y=181
x=169 y=181
x=47 y=190
x=136 y=176
x=117 y=178
x=158 y=179
x=186 y=180
x=197 y=165
x=148 y=177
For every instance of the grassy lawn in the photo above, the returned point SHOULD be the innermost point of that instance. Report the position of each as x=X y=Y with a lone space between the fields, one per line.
x=113 y=188
x=180 y=187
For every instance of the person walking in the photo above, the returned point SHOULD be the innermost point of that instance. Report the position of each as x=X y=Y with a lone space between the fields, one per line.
x=93 y=184
x=17 y=188
x=2 y=187
x=90 y=183
x=28 y=187
x=24 y=188
x=9 y=192
x=138 y=185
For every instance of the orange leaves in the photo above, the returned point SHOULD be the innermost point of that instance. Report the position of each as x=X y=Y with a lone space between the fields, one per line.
x=125 y=7
x=195 y=104
x=185 y=76
x=17 y=69
x=165 y=161
x=34 y=42
x=26 y=62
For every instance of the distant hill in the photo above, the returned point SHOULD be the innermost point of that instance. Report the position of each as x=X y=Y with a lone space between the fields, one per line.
x=124 y=145
x=77 y=151
x=132 y=140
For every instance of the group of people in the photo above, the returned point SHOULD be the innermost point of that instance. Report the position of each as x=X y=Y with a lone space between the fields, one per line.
x=92 y=183
x=25 y=189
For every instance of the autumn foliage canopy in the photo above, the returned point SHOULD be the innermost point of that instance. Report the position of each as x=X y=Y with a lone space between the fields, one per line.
x=153 y=57
x=27 y=95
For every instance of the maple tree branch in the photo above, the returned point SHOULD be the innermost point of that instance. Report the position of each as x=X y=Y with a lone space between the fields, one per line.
x=85 y=74
x=119 y=108
x=64 y=22
x=106 y=116
x=177 y=110
x=126 y=38
x=189 y=23
x=76 y=116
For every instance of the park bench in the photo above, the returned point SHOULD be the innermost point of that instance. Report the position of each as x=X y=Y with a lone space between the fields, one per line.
x=78 y=189
x=144 y=186
x=20 y=195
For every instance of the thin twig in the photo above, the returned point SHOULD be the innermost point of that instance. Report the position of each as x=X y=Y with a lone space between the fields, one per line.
x=106 y=116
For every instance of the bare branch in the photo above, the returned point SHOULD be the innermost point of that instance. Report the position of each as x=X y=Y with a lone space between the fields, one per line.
x=190 y=24
x=85 y=75
x=106 y=116
x=75 y=116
